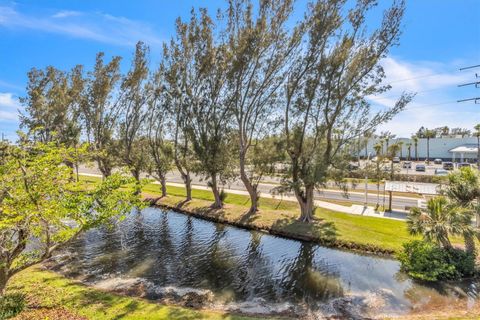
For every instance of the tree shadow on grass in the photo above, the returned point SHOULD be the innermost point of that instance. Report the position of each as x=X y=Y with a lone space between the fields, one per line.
x=318 y=230
x=180 y=204
x=249 y=217
x=119 y=305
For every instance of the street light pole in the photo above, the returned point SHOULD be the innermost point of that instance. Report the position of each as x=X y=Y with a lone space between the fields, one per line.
x=366 y=181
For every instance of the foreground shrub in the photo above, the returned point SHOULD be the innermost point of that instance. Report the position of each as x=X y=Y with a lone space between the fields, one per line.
x=11 y=305
x=427 y=261
x=464 y=262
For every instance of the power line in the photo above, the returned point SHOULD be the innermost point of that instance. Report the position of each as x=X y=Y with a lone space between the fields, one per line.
x=471 y=67
x=476 y=83
x=476 y=100
x=430 y=105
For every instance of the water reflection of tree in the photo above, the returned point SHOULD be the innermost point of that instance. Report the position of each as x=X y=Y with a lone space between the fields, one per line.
x=165 y=257
x=254 y=277
x=187 y=269
x=310 y=282
x=107 y=250
x=217 y=263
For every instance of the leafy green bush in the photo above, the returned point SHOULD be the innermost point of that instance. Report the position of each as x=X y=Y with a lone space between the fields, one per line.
x=463 y=262
x=426 y=261
x=11 y=305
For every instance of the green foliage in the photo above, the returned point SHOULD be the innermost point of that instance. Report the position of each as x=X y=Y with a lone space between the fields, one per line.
x=463 y=186
x=425 y=260
x=52 y=105
x=11 y=305
x=42 y=206
x=439 y=220
x=99 y=113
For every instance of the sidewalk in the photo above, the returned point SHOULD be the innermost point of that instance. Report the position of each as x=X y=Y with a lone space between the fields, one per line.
x=354 y=209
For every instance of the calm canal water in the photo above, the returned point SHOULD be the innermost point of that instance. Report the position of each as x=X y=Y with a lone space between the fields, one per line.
x=251 y=269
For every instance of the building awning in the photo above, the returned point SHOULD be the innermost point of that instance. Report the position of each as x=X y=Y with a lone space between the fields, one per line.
x=412 y=187
x=466 y=148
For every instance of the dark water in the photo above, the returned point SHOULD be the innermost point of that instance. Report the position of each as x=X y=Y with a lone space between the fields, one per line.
x=171 y=249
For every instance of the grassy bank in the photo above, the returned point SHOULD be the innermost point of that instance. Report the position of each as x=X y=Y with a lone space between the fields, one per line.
x=336 y=229
x=51 y=296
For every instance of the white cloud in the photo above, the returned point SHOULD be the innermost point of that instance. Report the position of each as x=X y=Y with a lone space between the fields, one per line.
x=436 y=88
x=9 y=106
x=92 y=26
x=8 y=100
x=66 y=13
x=8 y=116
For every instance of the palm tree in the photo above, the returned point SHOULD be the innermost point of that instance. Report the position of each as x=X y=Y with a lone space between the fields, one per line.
x=400 y=145
x=429 y=134
x=477 y=134
x=409 y=148
x=415 y=142
x=392 y=152
x=464 y=190
x=440 y=220
x=369 y=134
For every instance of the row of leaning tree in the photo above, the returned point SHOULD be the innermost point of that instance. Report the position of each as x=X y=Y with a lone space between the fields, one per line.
x=232 y=96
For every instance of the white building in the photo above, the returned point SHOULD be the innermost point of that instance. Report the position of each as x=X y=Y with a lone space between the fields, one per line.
x=447 y=149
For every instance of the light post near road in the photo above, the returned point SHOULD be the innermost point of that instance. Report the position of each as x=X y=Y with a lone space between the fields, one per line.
x=366 y=180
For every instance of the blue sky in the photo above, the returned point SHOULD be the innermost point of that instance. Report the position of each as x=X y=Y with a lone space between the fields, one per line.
x=439 y=37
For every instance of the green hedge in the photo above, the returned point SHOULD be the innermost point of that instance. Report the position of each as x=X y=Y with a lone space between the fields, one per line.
x=426 y=261
x=11 y=305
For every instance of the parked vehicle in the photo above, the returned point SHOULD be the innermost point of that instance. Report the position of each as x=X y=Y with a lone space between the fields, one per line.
x=352 y=166
x=448 y=165
x=420 y=168
x=396 y=160
x=407 y=165
x=463 y=165
x=441 y=172
x=437 y=161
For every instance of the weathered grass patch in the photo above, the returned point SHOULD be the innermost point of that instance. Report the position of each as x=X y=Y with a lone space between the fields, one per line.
x=48 y=293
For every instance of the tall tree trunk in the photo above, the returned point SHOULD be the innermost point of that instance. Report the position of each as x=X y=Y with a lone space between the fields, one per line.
x=71 y=165
x=252 y=190
x=3 y=278
x=306 y=203
x=187 y=180
x=136 y=175
x=163 y=184
x=469 y=243
x=445 y=242
x=216 y=193
x=104 y=168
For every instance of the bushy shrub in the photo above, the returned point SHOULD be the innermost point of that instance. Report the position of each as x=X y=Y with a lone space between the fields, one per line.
x=427 y=261
x=11 y=305
x=463 y=262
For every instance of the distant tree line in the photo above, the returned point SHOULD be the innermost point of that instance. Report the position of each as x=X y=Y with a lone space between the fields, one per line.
x=233 y=95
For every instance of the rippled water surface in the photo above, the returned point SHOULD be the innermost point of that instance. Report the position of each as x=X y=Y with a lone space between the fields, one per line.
x=171 y=249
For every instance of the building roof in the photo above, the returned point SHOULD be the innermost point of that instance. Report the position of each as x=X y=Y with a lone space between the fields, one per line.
x=465 y=148
x=411 y=187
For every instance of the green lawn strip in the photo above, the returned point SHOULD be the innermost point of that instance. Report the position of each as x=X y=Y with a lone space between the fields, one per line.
x=46 y=289
x=383 y=233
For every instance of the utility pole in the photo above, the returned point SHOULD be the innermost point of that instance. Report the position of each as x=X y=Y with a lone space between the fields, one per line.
x=475 y=83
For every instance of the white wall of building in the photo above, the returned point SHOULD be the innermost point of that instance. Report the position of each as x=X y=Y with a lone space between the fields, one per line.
x=439 y=148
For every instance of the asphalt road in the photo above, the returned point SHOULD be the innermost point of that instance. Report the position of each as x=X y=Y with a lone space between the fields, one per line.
x=355 y=195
